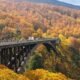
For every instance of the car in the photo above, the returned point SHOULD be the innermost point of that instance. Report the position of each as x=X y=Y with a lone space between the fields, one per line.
x=31 y=38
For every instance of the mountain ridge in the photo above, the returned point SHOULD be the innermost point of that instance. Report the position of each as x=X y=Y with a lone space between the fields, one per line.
x=55 y=2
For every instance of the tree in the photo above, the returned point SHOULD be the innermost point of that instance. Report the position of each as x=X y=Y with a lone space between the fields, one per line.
x=35 y=61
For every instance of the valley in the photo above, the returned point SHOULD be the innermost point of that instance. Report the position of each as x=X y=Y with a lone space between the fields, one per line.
x=20 y=20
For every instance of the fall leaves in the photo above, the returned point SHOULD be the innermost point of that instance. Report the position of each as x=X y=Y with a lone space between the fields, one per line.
x=39 y=74
x=7 y=74
x=45 y=21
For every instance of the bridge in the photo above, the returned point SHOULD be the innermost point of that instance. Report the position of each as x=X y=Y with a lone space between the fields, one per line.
x=14 y=54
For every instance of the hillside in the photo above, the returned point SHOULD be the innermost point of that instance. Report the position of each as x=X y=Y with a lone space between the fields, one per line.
x=7 y=74
x=53 y=2
x=29 y=18
x=56 y=2
x=19 y=20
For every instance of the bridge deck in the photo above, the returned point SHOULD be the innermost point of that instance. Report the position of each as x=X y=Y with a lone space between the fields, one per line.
x=26 y=42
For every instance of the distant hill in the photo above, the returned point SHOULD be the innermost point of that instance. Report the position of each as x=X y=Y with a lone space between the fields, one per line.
x=55 y=2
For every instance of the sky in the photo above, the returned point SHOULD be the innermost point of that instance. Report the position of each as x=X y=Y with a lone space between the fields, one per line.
x=75 y=2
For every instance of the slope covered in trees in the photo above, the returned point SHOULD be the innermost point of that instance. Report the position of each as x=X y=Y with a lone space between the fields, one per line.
x=19 y=20
x=23 y=19
x=39 y=74
x=66 y=60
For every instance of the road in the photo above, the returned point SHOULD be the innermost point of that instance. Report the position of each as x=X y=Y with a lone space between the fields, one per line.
x=25 y=42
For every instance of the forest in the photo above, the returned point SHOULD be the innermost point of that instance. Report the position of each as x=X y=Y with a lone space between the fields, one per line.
x=19 y=20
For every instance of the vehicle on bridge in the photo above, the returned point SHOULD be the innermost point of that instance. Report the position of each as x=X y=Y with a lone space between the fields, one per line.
x=31 y=38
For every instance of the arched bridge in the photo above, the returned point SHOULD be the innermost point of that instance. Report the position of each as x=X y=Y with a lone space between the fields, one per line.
x=14 y=54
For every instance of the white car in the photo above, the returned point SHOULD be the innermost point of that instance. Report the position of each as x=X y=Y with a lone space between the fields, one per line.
x=31 y=38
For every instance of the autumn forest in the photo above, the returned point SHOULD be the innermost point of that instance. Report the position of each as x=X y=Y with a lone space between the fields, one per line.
x=19 y=20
